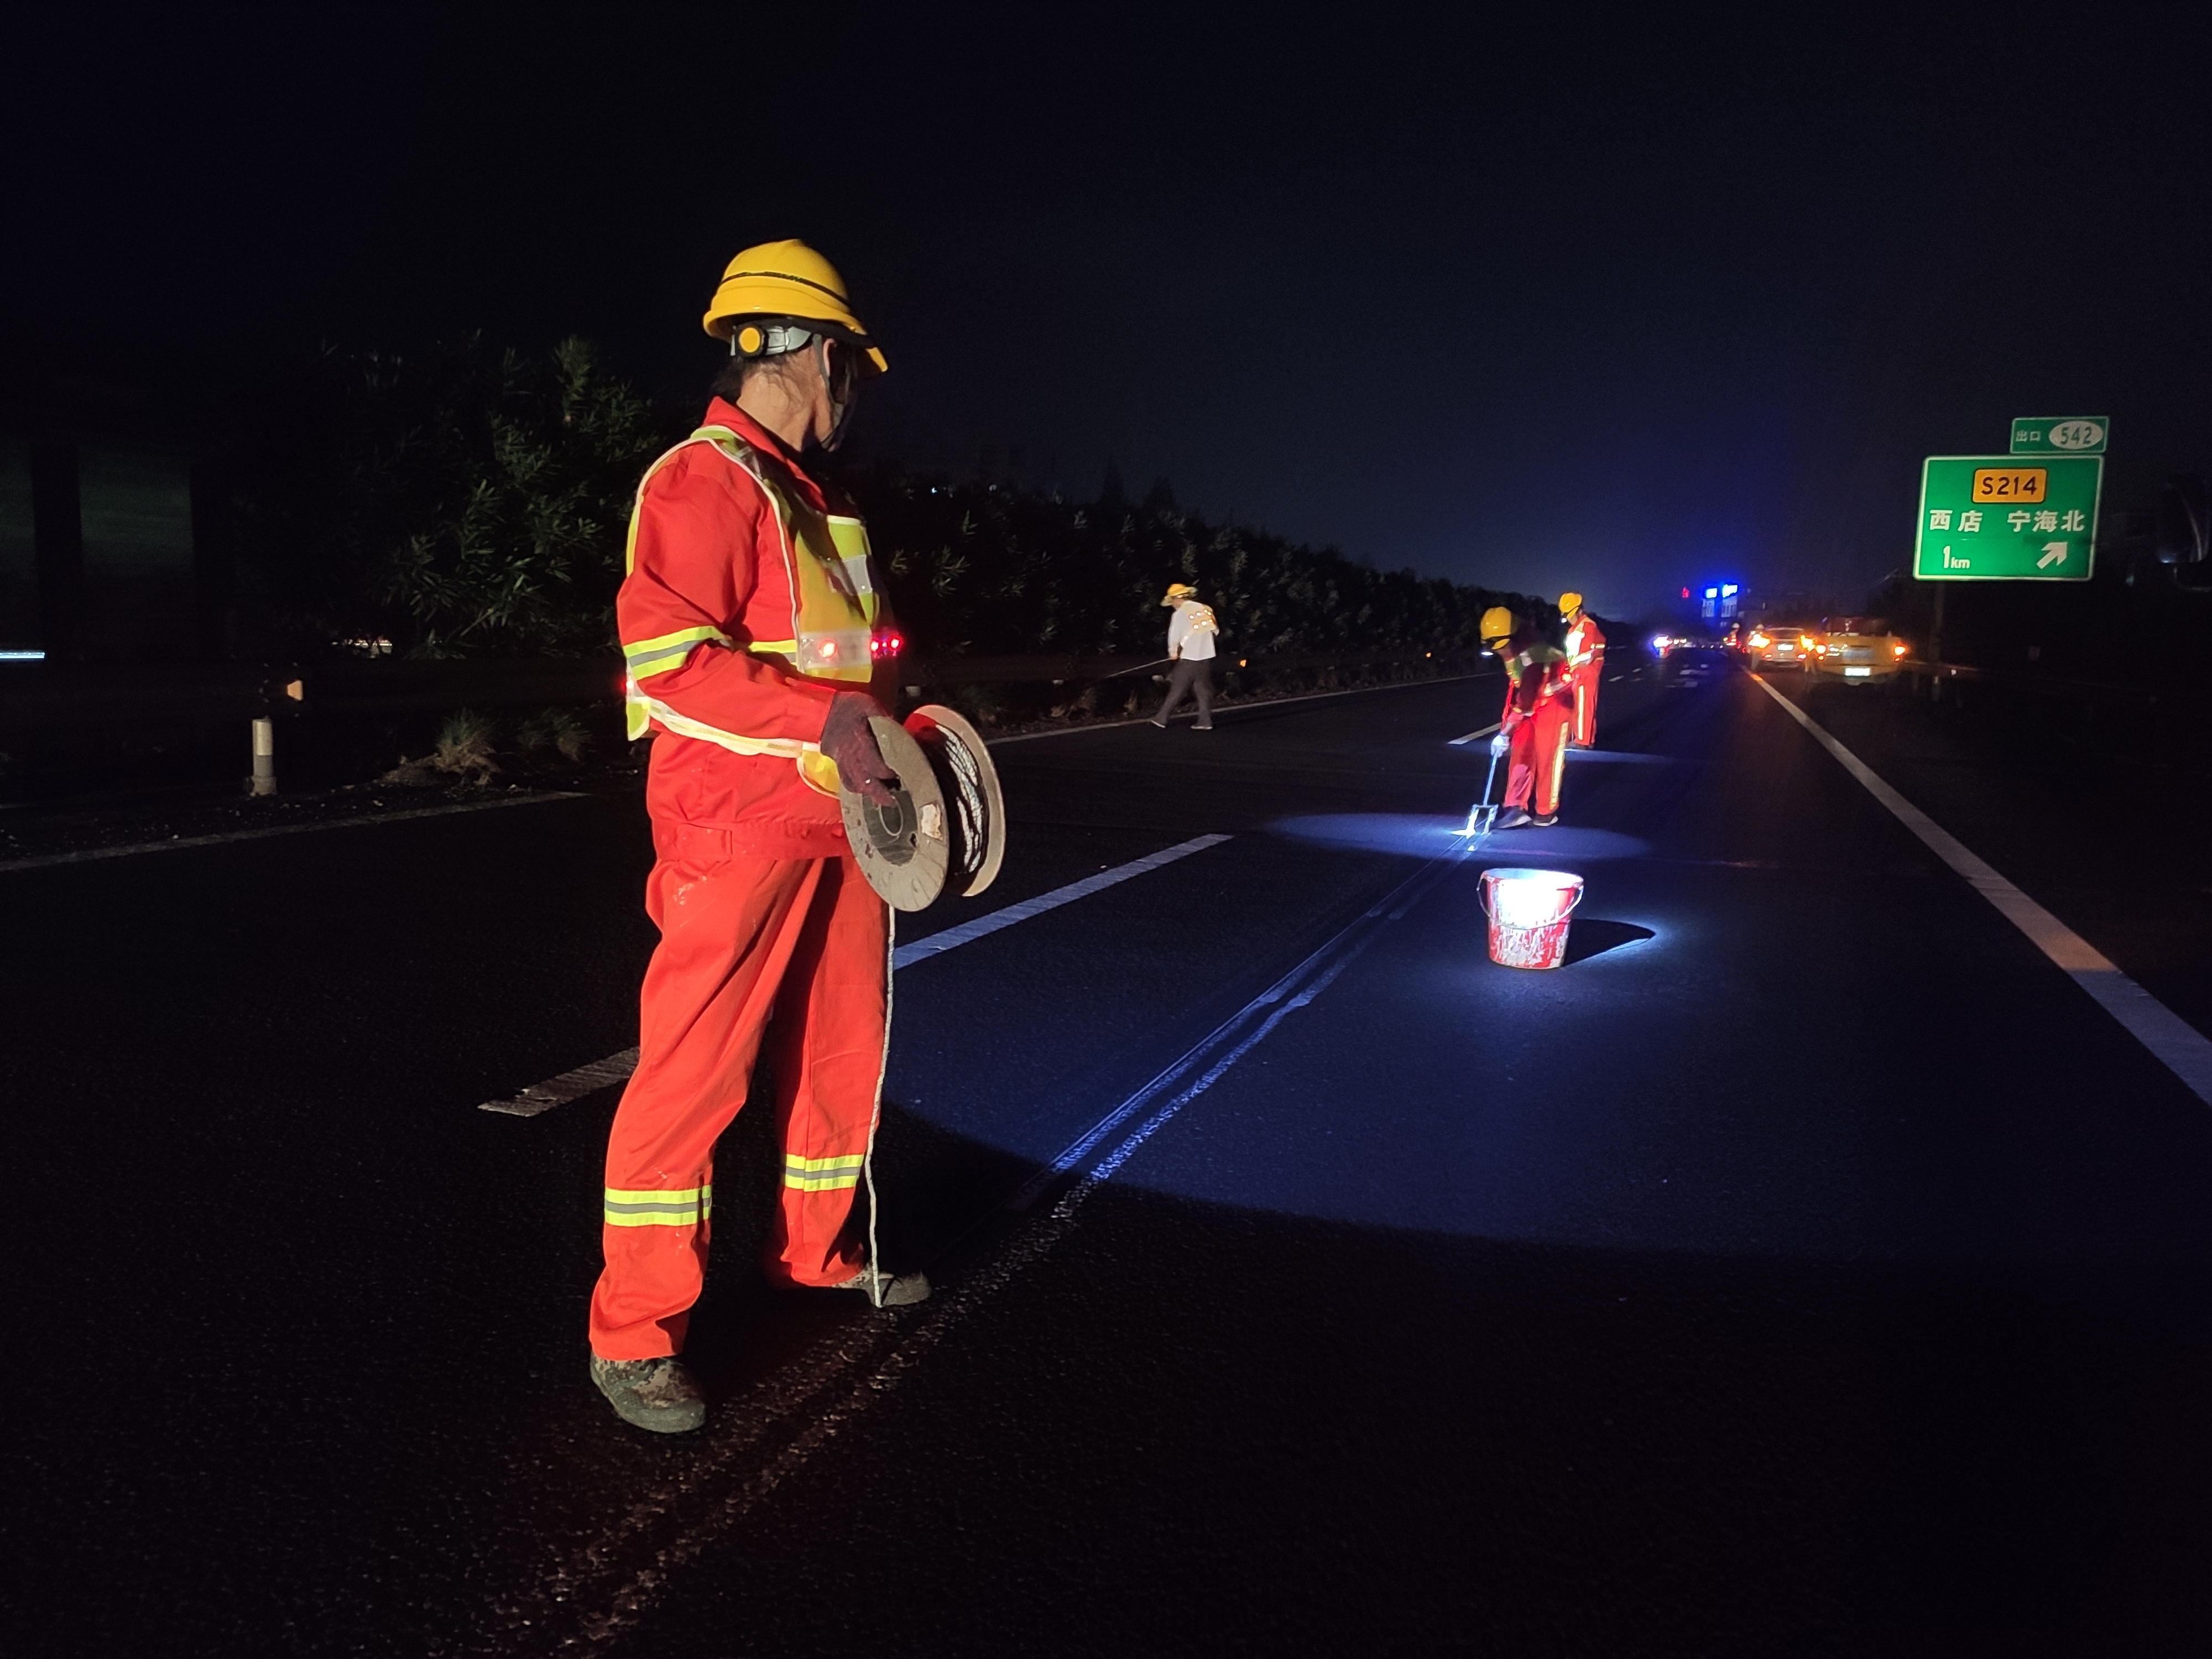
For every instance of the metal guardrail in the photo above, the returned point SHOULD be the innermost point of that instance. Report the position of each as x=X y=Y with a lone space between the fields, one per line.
x=1938 y=679
x=51 y=695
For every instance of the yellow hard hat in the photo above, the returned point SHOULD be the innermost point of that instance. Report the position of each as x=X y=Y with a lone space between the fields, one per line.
x=1178 y=591
x=1570 y=603
x=1496 y=624
x=785 y=279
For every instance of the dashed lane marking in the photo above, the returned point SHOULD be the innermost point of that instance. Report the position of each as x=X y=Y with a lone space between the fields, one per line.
x=952 y=939
x=603 y=1073
x=178 y=842
x=2184 y=1050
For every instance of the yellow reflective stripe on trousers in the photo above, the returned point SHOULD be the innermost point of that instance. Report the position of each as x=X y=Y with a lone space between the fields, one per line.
x=672 y=1207
x=822 y=1175
x=666 y=651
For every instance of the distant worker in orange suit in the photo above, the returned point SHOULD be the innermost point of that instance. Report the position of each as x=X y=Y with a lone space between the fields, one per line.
x=1534 y=728
x=752 y=629
x=1585 y=666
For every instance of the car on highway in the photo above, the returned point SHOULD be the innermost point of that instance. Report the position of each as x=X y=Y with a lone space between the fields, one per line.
x=1853 y=648
x=1777 y=644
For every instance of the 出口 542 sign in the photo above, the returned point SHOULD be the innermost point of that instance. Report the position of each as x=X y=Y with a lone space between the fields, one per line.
x=2007 y=518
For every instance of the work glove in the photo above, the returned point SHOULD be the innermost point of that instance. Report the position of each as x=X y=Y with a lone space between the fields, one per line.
x=847 y=739
x=1499 y=745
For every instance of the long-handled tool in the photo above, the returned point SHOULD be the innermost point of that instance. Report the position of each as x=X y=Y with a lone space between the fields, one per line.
x=1139 y=669
x=1484 y=812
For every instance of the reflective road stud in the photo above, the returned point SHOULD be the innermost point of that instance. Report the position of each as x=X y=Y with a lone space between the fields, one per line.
x=264 y=757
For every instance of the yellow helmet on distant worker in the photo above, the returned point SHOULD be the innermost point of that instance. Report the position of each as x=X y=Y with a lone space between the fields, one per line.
x=783 y=279
x=1177 y=590
x=1496 y=624
x=1570 y=603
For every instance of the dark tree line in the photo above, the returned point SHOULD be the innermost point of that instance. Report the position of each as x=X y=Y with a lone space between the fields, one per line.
x=467 y=501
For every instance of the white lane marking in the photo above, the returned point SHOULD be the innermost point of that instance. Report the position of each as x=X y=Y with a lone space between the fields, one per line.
x=1238 y=707
x=1472 y=736
x=2183 y=1049
x=569 y=1085
x=1199 y=1052
x=89 y=854
x=952 y=939
x=607 y=1590
x=602 y=1073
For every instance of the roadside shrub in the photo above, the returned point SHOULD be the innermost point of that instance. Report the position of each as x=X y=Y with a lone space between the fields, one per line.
x=456 y=501
x=560 y=730
x=465 y=747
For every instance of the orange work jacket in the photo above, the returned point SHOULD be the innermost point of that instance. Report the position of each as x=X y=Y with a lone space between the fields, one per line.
x=749 y=604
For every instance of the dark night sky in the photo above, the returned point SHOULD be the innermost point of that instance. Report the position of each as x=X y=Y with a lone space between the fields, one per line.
x=1606 y=306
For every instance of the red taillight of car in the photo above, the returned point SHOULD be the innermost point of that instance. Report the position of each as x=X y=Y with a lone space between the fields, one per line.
x=1898 y=648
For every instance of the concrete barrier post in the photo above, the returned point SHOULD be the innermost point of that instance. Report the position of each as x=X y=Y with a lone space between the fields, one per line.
x=264 y=757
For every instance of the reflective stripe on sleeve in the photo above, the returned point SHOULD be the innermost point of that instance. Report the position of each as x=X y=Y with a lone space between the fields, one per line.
x=736 y=742
x=668 y=651
x=672 y=1207
x=822 y=1175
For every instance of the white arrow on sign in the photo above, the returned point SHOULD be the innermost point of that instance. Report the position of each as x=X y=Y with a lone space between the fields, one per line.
x=2053 y=553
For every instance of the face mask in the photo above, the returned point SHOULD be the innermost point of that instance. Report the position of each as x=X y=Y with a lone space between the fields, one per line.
x=838 y=375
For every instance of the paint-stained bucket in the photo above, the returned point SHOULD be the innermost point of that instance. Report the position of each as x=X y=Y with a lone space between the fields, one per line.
x=1528 y=911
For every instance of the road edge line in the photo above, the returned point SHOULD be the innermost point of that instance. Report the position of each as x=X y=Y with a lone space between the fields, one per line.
x=2172 y=1040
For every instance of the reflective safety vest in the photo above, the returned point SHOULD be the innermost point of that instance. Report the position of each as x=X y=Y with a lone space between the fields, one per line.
x=834 y=607
x=1584 y=646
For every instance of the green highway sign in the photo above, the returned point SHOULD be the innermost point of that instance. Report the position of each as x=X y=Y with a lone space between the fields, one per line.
x=2060 y=434
x=1999 y=518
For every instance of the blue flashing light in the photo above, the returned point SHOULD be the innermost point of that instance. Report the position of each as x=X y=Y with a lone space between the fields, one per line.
x=1712 y=593
x=1727 y=589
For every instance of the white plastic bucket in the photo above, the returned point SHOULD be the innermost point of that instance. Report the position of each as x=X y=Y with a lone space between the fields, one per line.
x=1529 y=910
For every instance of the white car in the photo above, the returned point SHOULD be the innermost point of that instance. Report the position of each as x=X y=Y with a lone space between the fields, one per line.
x=1779 y=645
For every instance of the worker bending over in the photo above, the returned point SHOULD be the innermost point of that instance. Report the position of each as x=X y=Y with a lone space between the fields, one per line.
x=747 y=619
x=1533 y=727
x=1191 y=633
x=1585 y=666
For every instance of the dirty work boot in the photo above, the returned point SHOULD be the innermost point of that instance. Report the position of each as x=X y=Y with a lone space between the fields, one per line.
x=659 y=1394
x=899 y=1290
x=1513 y=817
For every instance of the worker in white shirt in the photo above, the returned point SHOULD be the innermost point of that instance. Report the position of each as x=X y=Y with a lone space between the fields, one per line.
x=1191 y=633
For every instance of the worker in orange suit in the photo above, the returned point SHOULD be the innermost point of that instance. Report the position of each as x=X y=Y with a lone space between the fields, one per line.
x=1532 y=730
x=751 y=626
x=1585 y=666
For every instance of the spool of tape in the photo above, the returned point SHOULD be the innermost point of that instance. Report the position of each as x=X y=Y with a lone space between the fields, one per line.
x=945 y=828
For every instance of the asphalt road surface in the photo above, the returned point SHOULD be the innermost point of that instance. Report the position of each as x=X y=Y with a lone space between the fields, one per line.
x=1807 y=1267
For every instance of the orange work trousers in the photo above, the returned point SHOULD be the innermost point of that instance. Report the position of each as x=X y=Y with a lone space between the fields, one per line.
x=794 y=950
x=1538 y=759
x=1586 y=683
